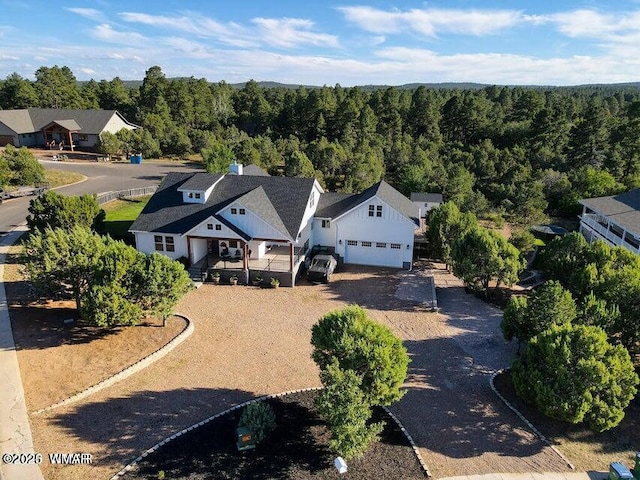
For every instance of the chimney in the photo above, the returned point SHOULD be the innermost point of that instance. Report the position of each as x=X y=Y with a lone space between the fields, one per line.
x=235 y=168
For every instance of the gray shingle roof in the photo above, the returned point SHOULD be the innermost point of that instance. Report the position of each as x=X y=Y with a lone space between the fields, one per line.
x=252 y=169
x=166 y=212
x=333 y=205
x=623 y=209
x=201 y=182
x=35 y=119
x=426 y=197
x=70 y=124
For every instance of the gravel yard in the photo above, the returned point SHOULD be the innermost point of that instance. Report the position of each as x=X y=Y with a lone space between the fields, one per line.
x=250 y=341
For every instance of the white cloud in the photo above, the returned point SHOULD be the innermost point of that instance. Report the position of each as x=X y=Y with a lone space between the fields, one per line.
x=88 y=71
x=90 y=13
x=292 y=32
x=106 y=33
x=433 y=21
x=227 y=33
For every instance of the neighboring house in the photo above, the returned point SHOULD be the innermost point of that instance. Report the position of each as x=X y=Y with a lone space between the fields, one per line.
x=426 y=201
x=51 y=127
x=614 y=219
x=251 y=222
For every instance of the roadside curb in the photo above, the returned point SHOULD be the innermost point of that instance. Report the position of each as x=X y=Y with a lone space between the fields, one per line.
x=524 y=419
x=127 y=468
x=127 y=372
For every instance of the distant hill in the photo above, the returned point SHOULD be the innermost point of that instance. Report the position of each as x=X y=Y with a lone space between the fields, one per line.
x=131 y=84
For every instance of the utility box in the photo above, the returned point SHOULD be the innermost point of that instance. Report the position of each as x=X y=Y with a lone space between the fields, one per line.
x=245 y=440
x=618 y=471
x=136 y=159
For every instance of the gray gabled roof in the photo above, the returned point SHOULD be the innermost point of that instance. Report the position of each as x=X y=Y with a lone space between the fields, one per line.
x=426 y=197
x=252 y=169
x=623 y=209
x=17 y=120
x=334 y=206
x=33 y=120
x=200 y=182
x=70 y=125
x=282 y=201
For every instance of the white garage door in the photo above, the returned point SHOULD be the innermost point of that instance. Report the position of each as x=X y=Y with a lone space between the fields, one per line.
x=382 y=254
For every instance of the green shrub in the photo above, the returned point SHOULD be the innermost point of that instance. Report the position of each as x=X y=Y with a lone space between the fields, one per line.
x=259 y=417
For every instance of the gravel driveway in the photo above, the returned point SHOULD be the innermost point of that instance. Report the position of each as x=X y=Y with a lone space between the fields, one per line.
x=250 y=341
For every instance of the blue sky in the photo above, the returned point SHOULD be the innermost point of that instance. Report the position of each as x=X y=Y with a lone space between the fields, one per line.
x=323 y=43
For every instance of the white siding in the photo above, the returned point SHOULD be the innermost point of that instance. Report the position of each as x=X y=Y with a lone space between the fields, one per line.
x=323 y=236
x=202 y=230
x=145 y=243
x=115 y=124
x=392 y=227
x=198 y=249
x=251 y=224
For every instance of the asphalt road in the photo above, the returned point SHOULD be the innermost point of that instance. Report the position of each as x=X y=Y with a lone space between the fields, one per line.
x=100 y=178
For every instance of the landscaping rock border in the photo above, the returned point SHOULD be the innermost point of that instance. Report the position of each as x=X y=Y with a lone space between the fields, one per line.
x=149 y=451
x=524 y=419
x=127 y=372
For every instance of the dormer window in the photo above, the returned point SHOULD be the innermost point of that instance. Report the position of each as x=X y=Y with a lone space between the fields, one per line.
x=234 y=211
x=190 y=195
x=198 y=196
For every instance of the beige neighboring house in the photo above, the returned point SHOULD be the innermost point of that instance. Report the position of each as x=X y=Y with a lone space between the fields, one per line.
x=58 y=128
x=614 y=219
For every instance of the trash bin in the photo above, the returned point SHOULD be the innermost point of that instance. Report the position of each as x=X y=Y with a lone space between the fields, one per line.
x=618 y=471
x=137 y=159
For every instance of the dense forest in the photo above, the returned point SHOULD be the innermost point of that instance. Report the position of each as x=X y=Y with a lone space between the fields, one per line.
x=521 y=152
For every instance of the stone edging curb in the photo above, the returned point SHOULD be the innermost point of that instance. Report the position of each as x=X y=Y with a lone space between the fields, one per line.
x=127 y=372
x=423 y=465
x=147 y=452
x=524 y=419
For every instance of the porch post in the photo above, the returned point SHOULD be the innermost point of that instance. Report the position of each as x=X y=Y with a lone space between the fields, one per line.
x=189 y=249
x=70 y=141
x=291 y=256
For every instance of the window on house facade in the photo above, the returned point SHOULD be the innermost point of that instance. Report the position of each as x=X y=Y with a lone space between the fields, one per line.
x=169 y=244
x=352 y=243
x=375 y=210
x=326 y=223
x=198 y=195
x=242 y=211
x=372 y=210
x=233 y=244
x=234 y=211
x=381 y=245
x=157 y=240
x=209 y=226
x=366 y=244
x=218 y=226
x=190 y=195
x=378 y=210
x=616 y=230
x=396 y=246
x=632 y=240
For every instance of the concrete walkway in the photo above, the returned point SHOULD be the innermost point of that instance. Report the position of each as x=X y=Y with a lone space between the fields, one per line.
x=15 y=431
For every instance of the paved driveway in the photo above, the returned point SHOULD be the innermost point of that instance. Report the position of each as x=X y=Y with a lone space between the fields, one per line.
x=250 y=341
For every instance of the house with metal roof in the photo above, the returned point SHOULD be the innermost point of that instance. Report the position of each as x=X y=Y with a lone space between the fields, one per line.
x=247 y=222
x=614 y=219
x=58 y=128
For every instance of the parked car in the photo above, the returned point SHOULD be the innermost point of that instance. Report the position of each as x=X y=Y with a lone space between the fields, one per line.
x=321 y=268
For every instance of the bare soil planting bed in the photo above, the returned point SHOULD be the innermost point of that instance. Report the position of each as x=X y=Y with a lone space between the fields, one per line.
x=298 y=449
x=587 y=450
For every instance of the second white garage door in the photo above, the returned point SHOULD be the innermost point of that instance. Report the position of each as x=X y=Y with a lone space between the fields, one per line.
x=382 y=254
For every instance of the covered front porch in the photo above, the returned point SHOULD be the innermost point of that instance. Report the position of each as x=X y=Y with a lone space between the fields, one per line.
x=245 y=259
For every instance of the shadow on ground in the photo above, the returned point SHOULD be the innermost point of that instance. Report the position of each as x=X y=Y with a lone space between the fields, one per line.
x=126 y=426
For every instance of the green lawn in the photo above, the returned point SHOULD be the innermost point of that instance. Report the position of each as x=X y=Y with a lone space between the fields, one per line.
x=120 y=214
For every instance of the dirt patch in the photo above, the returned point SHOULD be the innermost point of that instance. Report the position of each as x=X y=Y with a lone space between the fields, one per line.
x=297 y=449
x=586 y=449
